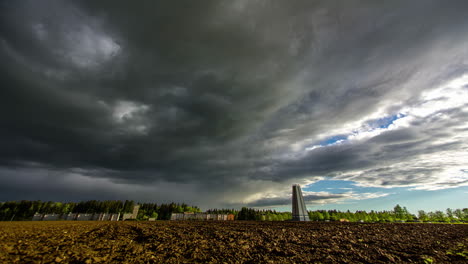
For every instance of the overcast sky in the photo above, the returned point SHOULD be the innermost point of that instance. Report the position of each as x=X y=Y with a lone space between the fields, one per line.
x=228 y=103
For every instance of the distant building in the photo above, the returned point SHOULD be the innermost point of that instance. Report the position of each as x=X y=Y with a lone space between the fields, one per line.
x=84 y=217
x=299 y=210
x=70 y=216
x=76 y=217
x=37 y=217
x=132 y=215
x=51 y=217
x=202 y=216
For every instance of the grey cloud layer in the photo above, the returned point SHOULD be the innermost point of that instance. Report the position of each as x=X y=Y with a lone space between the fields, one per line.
x=308 y=198
x=213 y=95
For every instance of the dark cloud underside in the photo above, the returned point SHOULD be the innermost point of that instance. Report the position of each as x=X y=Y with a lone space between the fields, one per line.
x=223 y=94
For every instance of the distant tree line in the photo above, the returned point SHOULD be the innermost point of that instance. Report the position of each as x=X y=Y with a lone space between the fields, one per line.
x=25 y=210
x=398 y=214
x=254 y=214
x=458 y=215
x=163 y=211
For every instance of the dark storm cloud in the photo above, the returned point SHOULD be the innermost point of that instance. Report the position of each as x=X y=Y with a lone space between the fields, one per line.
x=213 y=95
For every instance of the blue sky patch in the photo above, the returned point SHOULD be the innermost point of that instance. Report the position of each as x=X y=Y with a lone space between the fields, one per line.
x=413 y=199
x=333 y=140
x=385 y=122
x=381 y=123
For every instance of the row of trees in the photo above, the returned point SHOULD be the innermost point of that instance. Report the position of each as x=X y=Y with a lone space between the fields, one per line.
x=398 y=213
x=253 y=214
x=24 y=210
x=458 y=215
x=163 y=211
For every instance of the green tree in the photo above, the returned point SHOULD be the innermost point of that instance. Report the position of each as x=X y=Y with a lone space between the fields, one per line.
x=320 y=216
x=326 y=215
x=450 y=215
x=458 y=213
x=439 y=216
x=399 y=212
x=465 y=214
x=422 y=216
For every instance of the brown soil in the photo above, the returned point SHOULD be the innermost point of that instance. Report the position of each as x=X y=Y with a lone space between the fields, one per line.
x=231 y=242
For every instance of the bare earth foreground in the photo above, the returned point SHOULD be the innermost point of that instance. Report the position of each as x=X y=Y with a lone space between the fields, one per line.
x=231 y=242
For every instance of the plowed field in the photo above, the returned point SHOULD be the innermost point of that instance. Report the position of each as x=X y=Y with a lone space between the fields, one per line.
x=231 y=242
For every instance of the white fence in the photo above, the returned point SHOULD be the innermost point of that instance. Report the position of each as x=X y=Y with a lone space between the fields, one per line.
x=84 y=217
x=201 y=216
x=37 y=217
x=76 y=217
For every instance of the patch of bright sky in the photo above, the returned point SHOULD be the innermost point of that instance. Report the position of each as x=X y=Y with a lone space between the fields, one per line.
x=413 y=200
x=87 y=47
x=129 y=115
x=448 y=96
x=126 y=110
x=371 y=128
x=385 y=122
x=333 y=140
x=451 y=95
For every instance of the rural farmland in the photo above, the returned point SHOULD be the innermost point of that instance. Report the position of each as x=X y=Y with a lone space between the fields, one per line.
x=231 y=242
x=261 y=131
